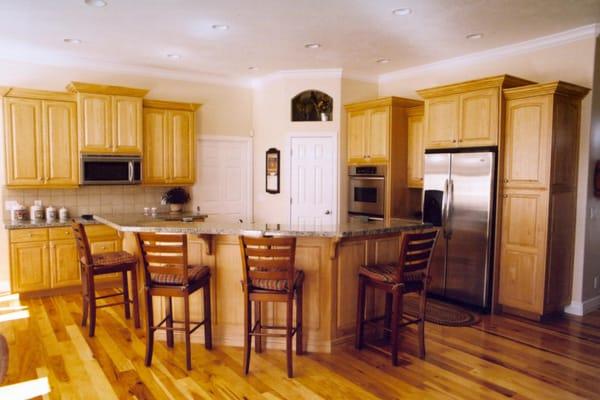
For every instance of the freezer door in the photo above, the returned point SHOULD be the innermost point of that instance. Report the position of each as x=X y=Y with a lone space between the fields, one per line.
x=435 y=183
x=469 y=227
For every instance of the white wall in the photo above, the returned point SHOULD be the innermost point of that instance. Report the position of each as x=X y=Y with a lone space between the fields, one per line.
x=571 y=61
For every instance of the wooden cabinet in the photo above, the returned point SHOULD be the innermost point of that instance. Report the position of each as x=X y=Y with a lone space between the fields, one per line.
x=465 y=114
x=378 y=133
x=110 y=118
x=40 y=140
x=46 y=258
x=169 y=143
x=538 y=201
x=416 y=149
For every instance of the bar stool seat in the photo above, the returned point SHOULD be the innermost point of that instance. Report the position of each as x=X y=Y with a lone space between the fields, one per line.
x=195 y=273
x=112 y=259
x=389 y=273
x=277 y=285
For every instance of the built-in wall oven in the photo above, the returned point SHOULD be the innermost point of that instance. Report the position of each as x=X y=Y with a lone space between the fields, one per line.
x=367 y=191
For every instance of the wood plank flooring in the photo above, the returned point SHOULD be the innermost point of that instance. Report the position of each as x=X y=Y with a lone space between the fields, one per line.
x=499 y=357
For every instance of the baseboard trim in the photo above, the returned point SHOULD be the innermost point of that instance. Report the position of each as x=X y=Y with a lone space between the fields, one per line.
x=583 y=307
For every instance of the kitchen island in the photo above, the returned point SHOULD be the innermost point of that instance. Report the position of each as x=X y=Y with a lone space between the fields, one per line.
x=329 y=256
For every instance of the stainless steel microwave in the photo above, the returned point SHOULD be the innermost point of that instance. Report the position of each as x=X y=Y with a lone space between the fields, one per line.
x=111 y=170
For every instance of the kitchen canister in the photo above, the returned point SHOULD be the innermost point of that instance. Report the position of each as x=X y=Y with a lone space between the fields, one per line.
x=51 y=214
x=18 y=213
x=36 y=211
x=63 y=214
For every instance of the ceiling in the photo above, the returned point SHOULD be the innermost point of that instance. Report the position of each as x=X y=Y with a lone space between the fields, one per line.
x=137 y=35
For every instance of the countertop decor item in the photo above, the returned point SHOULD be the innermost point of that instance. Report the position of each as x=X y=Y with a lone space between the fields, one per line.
x=272 y=171
x=176 y=198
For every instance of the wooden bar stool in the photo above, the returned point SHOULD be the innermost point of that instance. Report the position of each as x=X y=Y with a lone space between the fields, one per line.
x=410 y=274
x=269 y=276
x=167 y=273
x=93 y=265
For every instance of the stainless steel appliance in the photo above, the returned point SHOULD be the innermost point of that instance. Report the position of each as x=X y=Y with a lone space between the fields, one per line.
x=458 y=196
x=110 y=170
x=367 y=191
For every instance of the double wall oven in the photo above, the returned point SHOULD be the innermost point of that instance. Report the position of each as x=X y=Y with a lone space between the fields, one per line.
x=367 y=191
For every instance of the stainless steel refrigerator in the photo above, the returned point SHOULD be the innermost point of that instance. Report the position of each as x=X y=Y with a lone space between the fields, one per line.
x=458 y=196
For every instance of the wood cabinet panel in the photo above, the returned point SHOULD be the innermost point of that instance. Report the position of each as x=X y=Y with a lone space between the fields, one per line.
x=182 y=145
x=519 y=279
x=479 y=113
x=155 y=146
x=357 y=132
x=442 y=123
x=60 y=143
x=377 y=136
x=127 y=124
x=28 y=235
x=64 y=263
x=23 y=142
x=416 y=151
x=351 y=256
x=29 y=266
x=528 y=141
x=95 y=123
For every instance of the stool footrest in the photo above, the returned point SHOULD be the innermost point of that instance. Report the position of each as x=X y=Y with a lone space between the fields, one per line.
x=106 y=296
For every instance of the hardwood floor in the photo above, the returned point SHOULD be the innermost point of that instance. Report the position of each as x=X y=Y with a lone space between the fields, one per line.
x=498 y=358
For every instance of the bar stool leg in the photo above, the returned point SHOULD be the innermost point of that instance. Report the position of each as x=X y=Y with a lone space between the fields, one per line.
x=186 y=322
x=360 y=313
x=247 y=328
x=422 y=307
x=396 y=310
x=257 y=318
x=288 y=336
x=86 y=298
x=135 y=298
x=125 y=294
x=299 y=341
x=207 y=318
x=169 y=321
x=149 y=327
x=92 y=300
x=387 y=322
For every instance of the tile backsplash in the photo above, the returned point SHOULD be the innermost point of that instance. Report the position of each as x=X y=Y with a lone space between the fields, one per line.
x=90 y=199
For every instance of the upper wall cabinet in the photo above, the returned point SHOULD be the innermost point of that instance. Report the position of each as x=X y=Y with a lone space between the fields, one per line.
x=416 y=149
x=40 y=133
x=110 y=118
x=465 y=114
x=169 y=143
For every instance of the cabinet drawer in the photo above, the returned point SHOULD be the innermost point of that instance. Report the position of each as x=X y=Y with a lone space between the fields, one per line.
x=60 y=233
x=28 y=235
x=100 y=231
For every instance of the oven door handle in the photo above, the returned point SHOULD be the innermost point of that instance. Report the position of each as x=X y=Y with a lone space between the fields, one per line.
x=368 y=178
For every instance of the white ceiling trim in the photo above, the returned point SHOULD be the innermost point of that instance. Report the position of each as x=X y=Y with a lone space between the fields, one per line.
x=557 y=39
x=331 y=73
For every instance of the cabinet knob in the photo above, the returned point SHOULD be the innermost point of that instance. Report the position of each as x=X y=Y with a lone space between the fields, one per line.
x=505 y=180
x=454 y=141
x=420 y=179
x=505 y=196
x=40 y=179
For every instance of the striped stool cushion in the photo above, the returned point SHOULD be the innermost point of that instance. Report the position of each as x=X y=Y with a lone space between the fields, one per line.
x=274 y=284
x=112 y=259
x=388 y=273
x=195 y=272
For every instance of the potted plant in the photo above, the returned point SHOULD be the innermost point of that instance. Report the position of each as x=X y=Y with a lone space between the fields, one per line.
x=176 y=198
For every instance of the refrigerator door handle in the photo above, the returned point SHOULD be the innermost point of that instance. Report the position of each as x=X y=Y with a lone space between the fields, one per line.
x=449 y=207
x=445 y=209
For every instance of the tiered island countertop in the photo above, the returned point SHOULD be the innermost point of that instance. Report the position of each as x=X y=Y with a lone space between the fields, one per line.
x=330 y=257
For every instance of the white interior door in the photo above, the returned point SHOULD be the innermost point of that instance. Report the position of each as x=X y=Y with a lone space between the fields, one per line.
x=313 y=184
x=223 y=184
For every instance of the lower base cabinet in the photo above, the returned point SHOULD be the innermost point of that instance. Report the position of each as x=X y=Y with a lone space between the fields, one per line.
x=47 y=258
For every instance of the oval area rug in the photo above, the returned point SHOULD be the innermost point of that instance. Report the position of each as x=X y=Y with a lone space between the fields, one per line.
x=441 y=313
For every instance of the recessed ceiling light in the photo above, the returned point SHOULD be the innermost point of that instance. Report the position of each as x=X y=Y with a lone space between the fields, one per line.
x=220 y=27
x=174 y=56
x=72 y=41
x=382 y=60
x=96 y=3
x=402 y=11
x=312 y=45
x=252 y=68
x=474 y=36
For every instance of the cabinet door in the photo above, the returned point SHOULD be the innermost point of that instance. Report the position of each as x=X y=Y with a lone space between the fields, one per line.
x=155 y=146
x=127 y=124
x=23 y=142
x=357 y=132
x=182 y=145
x=64 y=263
x=415 y=151
x=523 y=249
x=95 y=127
x=60 y=143
x=528 y=141
x=479 y=113
x=441 y=115
x=377 y=134
x=29 y=266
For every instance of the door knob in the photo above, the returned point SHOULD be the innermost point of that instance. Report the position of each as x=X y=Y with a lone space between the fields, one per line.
x=327 y=212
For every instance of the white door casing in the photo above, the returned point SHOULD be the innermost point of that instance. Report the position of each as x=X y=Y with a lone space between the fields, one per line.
x=223 y=188
x=313 y=180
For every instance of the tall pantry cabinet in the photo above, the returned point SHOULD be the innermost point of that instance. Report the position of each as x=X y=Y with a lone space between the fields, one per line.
x=538 y=197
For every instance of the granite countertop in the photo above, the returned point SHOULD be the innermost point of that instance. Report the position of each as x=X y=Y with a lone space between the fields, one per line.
x=27 y=224
x=142 y=223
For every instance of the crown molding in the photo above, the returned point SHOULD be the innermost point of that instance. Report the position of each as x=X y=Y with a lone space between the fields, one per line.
x=326 y=73
x=553 y=40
